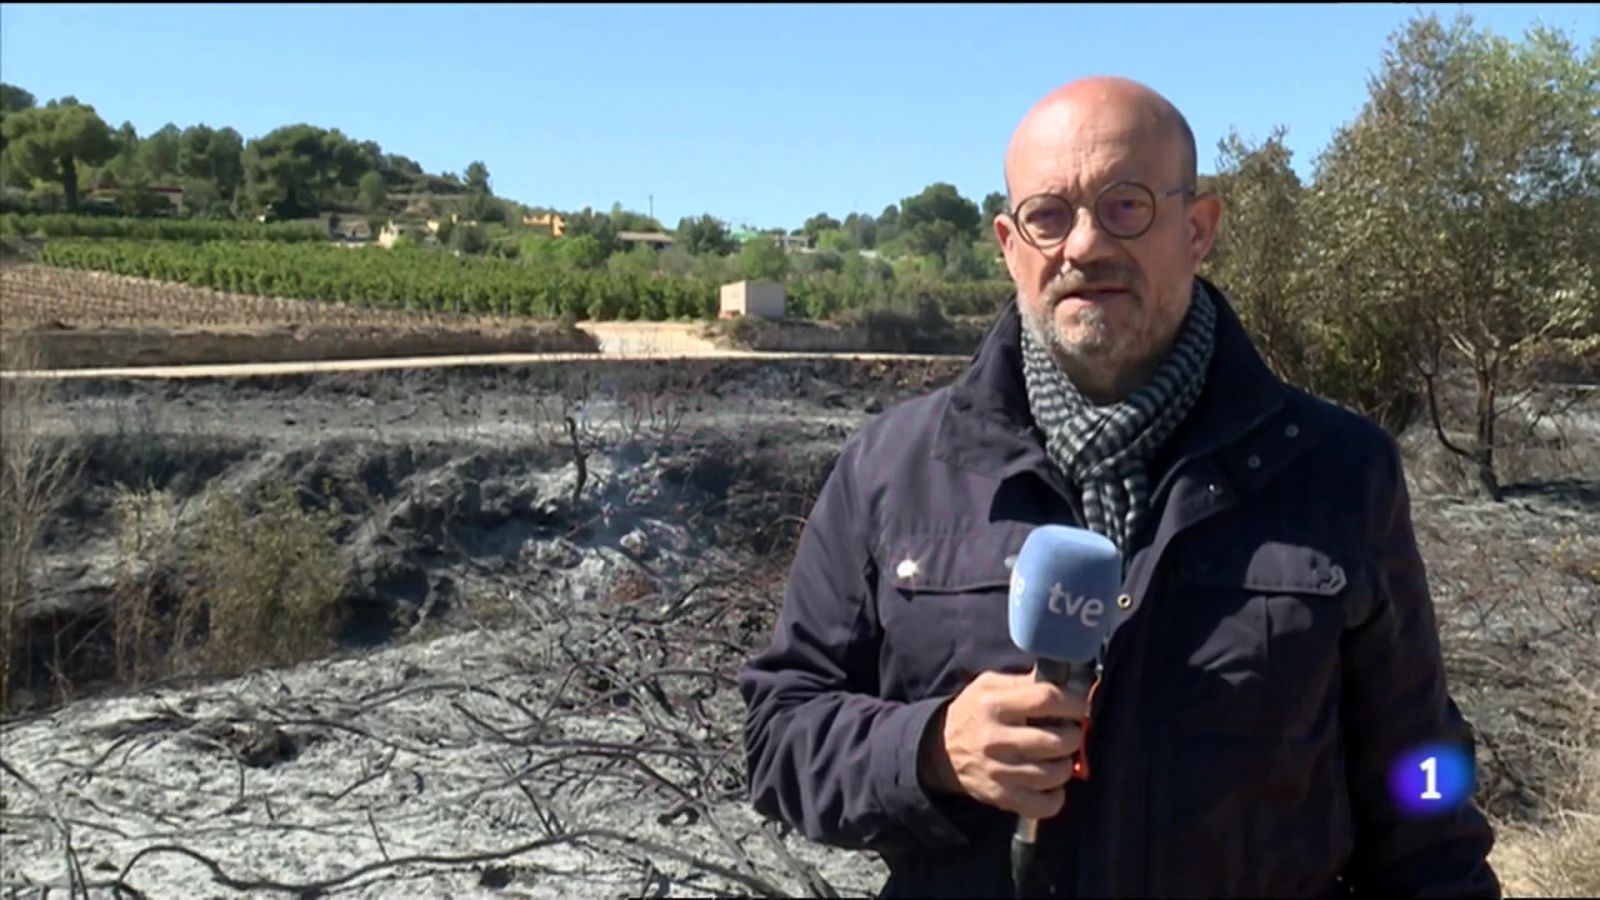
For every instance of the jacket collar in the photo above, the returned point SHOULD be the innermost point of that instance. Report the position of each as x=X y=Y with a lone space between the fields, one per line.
x=987 y=427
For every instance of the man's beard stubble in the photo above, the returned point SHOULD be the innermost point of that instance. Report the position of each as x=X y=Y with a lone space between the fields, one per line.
x=1095 y=339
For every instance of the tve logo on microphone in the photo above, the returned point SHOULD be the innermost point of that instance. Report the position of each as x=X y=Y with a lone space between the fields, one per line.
x=1086 y=609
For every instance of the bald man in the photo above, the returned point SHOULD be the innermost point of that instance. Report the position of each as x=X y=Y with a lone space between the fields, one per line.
x=1282 y=658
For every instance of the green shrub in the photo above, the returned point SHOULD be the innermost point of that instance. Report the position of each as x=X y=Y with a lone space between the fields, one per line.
x=271 y=582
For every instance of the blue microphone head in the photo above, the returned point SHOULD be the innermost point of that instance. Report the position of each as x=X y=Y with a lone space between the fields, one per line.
x=1064 y=590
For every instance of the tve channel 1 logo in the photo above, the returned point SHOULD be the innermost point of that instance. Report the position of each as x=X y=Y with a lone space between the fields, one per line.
x=1431 y=780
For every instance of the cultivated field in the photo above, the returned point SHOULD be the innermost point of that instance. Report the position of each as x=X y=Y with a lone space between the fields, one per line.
x=77 y=319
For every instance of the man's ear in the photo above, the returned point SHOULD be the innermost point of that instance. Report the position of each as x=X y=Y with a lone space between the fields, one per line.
x=1006 y=236
x=1205 y=216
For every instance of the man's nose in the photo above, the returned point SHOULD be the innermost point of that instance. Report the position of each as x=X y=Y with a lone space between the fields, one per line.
x=1087 y=243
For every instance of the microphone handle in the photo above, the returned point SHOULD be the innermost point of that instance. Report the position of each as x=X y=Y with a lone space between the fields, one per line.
x=1083 y=680
x=1077 y=678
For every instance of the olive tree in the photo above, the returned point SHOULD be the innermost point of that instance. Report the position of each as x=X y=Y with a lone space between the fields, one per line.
x=1456 y=214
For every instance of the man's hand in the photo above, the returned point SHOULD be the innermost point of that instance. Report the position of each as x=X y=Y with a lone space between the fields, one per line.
x=985 y=747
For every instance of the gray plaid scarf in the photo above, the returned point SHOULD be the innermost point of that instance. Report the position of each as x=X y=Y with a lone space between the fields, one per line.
x=1105 y=450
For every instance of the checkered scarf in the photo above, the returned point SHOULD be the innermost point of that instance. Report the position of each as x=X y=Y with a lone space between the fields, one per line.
x=1105 y=450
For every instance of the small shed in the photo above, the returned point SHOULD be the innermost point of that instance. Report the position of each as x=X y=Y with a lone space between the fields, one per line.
x=762 y=299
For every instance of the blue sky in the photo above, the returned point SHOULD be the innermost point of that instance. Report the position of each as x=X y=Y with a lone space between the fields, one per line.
x=763 y=114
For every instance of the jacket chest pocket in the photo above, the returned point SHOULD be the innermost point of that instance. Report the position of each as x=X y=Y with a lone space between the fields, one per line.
x=1252 y=640
x=942 y=605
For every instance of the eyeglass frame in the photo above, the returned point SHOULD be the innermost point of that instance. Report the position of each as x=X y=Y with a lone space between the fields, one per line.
x=1094 y=209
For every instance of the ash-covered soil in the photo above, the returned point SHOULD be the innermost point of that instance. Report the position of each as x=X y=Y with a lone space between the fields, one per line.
x=564 y=563
x=553 y=572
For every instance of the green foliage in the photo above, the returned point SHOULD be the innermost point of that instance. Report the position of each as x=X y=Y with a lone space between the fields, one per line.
x=48 y=143
x=214 y=155
x=994 y=203
x=1455 y=216
x=704 y=234
x=640 y=262
x=587 y=223
x=66 y=226
x=272 y=580
x=203 y=198
x=1261 y=259
x=940 y=203
x=478 y=178
x=819 y=223
x=158 y=153
x=627 y=220
x=539 y=249
x=374 y=191
x=963 y=262
x=583 y=252
x=14 y=99
x=294 y=169
x=862 y=230
x=468 y=238
x=931 y=239
x=835 y=240
x=762 y=259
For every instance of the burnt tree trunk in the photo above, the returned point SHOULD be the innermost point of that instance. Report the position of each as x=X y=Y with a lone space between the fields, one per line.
x=1483 y=453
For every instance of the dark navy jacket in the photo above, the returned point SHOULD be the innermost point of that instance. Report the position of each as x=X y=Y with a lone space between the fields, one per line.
x=1282 y=654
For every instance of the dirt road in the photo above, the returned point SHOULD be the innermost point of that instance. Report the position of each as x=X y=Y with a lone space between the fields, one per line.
x=240 y=370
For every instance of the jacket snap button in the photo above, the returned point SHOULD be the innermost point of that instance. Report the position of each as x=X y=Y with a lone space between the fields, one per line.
x=1291 y=431
x=1253 y=462
x=1214 y=488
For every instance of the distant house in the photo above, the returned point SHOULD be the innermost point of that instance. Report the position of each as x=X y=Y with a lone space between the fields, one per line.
x=657 y=240
x=554 y=223
x=761 y=299
x=740 y=234
x=391 y=233
x=108 y=191
x=351 y=230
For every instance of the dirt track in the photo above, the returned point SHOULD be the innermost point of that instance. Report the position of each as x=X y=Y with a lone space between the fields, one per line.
x=243 y=370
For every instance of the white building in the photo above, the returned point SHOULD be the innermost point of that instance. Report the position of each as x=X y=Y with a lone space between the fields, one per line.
x=763 y=299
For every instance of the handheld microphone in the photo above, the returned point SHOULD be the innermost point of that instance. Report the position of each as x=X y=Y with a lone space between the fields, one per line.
x=1065 y=590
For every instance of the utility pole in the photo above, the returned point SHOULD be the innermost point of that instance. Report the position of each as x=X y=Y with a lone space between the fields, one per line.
x=652 y=206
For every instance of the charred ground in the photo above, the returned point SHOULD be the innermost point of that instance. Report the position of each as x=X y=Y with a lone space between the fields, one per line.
x=548 y=575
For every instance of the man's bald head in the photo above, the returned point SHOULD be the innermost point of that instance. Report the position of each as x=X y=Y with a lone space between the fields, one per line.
x=1107 y=304
x=1128 y=104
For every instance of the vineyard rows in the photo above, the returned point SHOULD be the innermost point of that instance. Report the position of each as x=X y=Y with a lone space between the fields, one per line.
x=33 y=295
x=369 y=278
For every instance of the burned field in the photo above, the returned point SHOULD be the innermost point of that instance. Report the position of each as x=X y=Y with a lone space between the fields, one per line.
x=543 y=581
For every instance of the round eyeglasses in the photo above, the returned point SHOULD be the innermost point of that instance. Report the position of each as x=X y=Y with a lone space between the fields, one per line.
x=1122 y=209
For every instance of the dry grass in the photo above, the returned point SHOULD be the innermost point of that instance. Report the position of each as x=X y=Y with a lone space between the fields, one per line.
x=241 y=583
x=1520 y=631
x=1561 y=859
x=270 y=582
x=34 y=473
x=147 y=537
